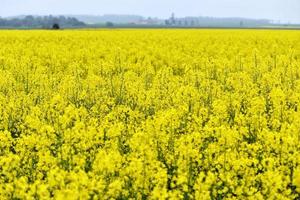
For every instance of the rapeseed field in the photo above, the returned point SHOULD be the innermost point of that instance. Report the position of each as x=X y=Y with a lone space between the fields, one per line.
x=150 y=114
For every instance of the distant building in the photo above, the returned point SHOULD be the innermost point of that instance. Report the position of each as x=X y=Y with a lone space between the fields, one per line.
x=171 y=21
x=149 y=21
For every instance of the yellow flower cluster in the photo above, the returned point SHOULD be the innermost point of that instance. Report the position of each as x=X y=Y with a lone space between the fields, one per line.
x=150 y=114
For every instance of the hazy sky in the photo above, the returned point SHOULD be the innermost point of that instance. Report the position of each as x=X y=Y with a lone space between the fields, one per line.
x=284 y=10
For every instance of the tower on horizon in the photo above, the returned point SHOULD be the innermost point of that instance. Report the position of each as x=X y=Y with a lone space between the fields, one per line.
x=173 y=18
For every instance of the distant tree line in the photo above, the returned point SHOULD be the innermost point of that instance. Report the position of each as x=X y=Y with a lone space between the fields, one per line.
x=217 y=22
x=46 y=22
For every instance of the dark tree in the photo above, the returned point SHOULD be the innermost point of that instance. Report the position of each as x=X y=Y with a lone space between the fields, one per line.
x=109 y=24
x=55 y=26
x=241 y=23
